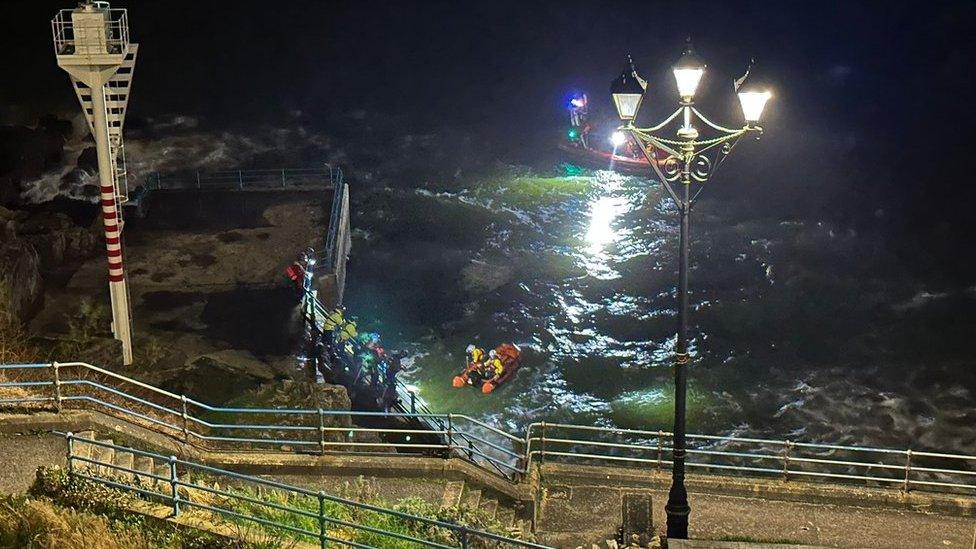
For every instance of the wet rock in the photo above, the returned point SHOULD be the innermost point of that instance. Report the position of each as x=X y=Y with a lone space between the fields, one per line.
x=20 y=277
x=217 y=377
x=482 y=277
x=301 y=395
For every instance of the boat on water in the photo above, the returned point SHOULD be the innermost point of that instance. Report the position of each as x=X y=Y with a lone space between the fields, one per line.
x=580 y=148
x=473 y=374
x=598 y=159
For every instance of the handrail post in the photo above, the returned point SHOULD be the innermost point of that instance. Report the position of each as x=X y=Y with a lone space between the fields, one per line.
x=413 y=402
x=174 y=488
x=788 y=445
x=282 y=178
x=908 y=470
x=542 y=454
x=450 y=435
x=198 y=179
x=186 y=416
x=660 y=448
x=464 y=537
x=322 y=530
x=240 y=179
x=321 y=431
x=57 y=386
x=71 y=453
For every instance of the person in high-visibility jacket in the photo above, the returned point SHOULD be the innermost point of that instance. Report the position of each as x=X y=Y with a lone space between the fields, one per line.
x=494 y=366
x=348 y=331
x=475 y=354
x=333 y=319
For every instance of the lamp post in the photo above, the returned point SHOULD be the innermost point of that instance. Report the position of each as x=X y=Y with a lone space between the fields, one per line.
x=691 y=159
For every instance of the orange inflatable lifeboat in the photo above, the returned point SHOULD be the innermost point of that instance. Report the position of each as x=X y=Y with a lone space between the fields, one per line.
x=473 y=374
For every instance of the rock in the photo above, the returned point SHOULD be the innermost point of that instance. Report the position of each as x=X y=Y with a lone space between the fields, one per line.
x=20 y=277
x=215 y=378
x=482 y=277
x=296 y=394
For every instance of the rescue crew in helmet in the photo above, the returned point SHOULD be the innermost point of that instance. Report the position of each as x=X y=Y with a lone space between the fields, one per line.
x=494 y=367
x=475 y=354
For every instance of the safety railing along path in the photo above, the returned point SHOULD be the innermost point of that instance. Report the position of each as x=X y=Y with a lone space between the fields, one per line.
x=77 y=385
x=304 y=513
x=462 y=431
x=61 y=386
x=246 y=179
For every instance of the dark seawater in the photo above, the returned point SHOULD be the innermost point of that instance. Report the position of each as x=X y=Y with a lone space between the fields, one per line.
x=800 y=329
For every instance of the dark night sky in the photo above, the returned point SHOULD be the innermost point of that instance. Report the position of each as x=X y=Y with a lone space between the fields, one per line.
x=871 y=112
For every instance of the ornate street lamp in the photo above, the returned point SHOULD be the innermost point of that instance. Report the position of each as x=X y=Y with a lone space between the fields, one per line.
x=691 y=159
x=627 y=91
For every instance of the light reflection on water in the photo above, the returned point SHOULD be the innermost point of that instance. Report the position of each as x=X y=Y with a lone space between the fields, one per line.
x=591 y=301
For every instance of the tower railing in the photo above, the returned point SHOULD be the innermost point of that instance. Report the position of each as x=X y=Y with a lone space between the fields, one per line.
x=116 y=31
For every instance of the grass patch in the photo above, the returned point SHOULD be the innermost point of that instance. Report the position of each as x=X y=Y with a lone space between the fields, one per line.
x=364 y=492
x=70 y=512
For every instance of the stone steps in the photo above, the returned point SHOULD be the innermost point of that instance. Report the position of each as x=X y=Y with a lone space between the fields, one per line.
x=127 y=460
x=471 y=498
x=456 y=493
x=452 y=494
x=489 y=506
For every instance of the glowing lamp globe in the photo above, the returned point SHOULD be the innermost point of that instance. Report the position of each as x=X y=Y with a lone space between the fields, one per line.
x=688 y=72
x=753 y=100
x=627 y=93
x=618 y=138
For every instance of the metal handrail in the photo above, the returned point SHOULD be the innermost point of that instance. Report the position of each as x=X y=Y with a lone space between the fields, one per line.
x=175 y=481
x=542 y=440
x=240 y=179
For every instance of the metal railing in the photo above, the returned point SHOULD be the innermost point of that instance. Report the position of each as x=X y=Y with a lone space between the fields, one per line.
x=74 y=385
x=786 y=459
x=251 y=179
x=334 y=247
x=114 y=31
x=302 y=513
x=481 y=444
x=80 y=385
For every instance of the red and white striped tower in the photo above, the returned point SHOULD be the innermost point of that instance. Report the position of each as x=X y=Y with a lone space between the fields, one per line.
x=91 y=43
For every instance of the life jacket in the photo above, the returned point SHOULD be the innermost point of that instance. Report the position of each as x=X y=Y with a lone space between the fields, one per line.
x=348 y=331
x=295 y=272
x=333 y=319
x=496 y=366
x=477 y=355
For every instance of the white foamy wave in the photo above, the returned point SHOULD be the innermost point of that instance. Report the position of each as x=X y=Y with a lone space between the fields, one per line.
x=919 y=300
x=176 y=144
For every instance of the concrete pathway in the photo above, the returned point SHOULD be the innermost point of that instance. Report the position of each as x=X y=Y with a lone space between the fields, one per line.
x=596 y=510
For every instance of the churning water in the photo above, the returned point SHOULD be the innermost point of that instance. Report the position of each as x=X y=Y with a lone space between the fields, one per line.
x=799 y=329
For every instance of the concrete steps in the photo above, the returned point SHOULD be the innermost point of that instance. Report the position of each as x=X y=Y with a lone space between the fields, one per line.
x=452 y=494
x=457 y=494
x=106 y=458
x=505 y=516
x=490 y=507
x=471 y=498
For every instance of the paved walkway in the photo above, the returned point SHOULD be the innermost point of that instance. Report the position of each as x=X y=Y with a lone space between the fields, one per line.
x=597 y=511
x=580 y=513
x=21 y=455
